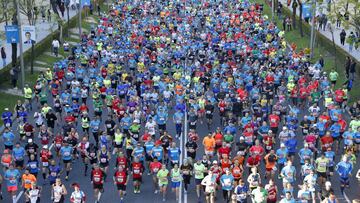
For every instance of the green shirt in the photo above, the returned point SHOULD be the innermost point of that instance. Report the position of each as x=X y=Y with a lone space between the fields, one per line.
x=354 y=124
x=162 y=176
x=199 y=170
x=175 y=175
x=333 y=76
x=228 y=138
x=321 y=164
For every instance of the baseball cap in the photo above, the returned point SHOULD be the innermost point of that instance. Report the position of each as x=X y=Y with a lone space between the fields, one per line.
x=282 y=145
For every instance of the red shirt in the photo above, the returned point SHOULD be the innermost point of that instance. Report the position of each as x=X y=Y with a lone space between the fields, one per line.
x=339 y=95
x=83 y=108
x=274 y=120
x=257 y=150
x=45 y=156
x=137 y=170
x=303 y=92
x=121 y=161
x=218 y=139
x=224 y=151
x=97 y=176
x=120 y=177
x=69 y=119
x=155 y=166
x=343 y=125
x=225 y=165
x=253 y=161
x=326 y=142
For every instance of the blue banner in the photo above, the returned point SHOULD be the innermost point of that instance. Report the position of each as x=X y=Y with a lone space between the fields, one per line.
x=85 y=3
x=12 y=33
x=307 y=8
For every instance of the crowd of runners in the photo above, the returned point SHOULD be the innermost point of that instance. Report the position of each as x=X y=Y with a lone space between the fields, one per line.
x=148 y=66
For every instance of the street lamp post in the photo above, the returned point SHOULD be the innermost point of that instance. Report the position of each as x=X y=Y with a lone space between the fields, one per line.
x=272 y=9
x=312 y=29
x=80 y=11
x=22 y=81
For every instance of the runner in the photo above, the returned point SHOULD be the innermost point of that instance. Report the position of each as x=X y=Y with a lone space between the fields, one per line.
x=97 y=180
x=162 y=176
x=120 y=180
x=77 y=196
x=137 y=172
x=66 y=154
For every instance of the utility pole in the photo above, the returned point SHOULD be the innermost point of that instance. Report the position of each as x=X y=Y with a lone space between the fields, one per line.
x=272 y=10
x=22 y=80
x=312 y=28
x=80 y=11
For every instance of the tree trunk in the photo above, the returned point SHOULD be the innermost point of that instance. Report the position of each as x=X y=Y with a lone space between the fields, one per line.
x=13 y=53
x=14 y=45
x=32 y=59
x=294 y=17
x=300 y=18
x=334 y=46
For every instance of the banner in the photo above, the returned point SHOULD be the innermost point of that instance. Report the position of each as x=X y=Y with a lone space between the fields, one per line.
x=85 y=3
x=307 y=8
x=28 y=33
x=12 y=34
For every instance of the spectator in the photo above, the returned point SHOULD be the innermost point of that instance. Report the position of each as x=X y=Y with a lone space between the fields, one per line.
x=14 y=72
x=339 y=17
x=3 y=56
x=342 y=37
x=284 y=23
x=55 y=44
x=351 y=40
x=288 y=23
x=352 y=69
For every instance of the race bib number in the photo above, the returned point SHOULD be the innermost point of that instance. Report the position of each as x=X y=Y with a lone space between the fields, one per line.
x=45 y=164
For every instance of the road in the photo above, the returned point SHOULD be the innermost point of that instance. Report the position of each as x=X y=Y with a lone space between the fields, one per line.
x=147 y=195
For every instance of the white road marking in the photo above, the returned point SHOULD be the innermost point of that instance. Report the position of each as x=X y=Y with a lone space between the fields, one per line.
x=51 y=146
x=18 y=196
x=347 y=198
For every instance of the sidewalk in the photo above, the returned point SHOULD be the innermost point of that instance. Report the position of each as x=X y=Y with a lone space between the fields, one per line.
x=43 y=29
x=327 y=33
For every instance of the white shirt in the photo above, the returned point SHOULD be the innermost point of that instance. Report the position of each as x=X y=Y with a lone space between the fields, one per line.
x=55 y=43
x=210 y=183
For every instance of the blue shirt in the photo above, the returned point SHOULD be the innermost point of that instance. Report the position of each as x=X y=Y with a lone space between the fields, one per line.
x=335 y=130
x=33 y=166
x=18 y=153
x=66 y=152
x=282 y=155
x=94 y=124
x=158 y=152
x=139 y=153
x=305 y=153
x=12 y=177
x=344 y=169
x=149 y=146
x=289 y=173
x=227 y=181
x=8 y=138
x=174 y=154
x=54 y=172
x=291 y=145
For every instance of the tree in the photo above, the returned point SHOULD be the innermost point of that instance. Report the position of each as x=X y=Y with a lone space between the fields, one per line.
x=294 y=6
x=300 y=17
x=6 y=11
x=27 y=8
x=352 y=7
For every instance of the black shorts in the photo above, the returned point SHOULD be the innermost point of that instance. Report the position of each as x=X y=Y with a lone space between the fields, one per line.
x=138 y=179
x=322 y=174
x=67 y=161
x=148 y=157
x=162 y=127
x=331 y=168
x=121 y=187
x=10 y=147
x=19 y=163
x=98 y=186
x=198 y=181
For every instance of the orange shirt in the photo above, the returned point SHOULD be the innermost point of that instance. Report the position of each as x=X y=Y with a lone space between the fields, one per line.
x=209 y=143
x=269 y=164
x=28 y=180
